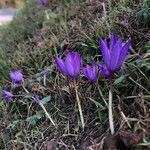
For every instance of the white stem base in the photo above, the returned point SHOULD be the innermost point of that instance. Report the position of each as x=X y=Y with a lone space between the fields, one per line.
x=46 y=113
x=111 y=124
x=79 y=108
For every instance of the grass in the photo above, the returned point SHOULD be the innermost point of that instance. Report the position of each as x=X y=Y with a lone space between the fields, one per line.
x=29 y=44
x=4 y=68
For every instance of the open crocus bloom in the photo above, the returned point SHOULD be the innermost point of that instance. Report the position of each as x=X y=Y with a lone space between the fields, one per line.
x=115 y=54
x=42 y=2
x=90 y=71
x=71 y=65
x=16 y=76
x=6 y=95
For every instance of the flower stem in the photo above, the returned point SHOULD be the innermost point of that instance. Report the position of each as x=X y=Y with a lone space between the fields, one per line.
x=79 y=106
x=46 y=113
x=25 y=89
x=44 y=80
x=111 y=124
x=47 y=15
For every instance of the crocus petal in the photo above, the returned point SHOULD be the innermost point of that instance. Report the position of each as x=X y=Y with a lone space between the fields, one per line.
x=36 y=98
x=87 y=72
x=94 y=69
x=84 y=71
x=123 y=53
x=60 y=64
x=113 y=40
x=70 y=55
x=104 y=70
x=16 y=76
x=44 y=72
x=72 y=63
x=115 y=54
x=105 y=52
x=6 y=95
x=69 y=67
x=76 y=63
x=14 y=85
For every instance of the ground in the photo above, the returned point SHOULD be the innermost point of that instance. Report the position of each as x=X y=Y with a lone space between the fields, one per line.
x=31 y=41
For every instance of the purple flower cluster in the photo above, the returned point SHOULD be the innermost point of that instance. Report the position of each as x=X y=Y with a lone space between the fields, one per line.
x=113 y=53
x=42 y=2
x=16 y=78
x=113 y=56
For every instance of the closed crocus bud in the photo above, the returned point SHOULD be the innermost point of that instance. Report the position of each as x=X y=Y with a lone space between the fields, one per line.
x=90 y=71
x=6 y=95
x=115 y=54
x=16 y=76
x=42 y=2
x=71 y=65
x=36 y=98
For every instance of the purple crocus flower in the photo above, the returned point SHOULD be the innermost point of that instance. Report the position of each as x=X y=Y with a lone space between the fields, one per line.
x=42 y=2
x=90 y=71
x=6 y=95
x=44 y=72
x=115 y=54
x=16 y=76
x=36 y=98
x=71 y=65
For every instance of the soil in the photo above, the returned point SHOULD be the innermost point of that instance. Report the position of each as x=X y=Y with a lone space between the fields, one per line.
x=11 y=3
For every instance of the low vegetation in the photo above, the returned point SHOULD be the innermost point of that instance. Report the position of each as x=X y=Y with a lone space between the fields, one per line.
x=29 y=44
